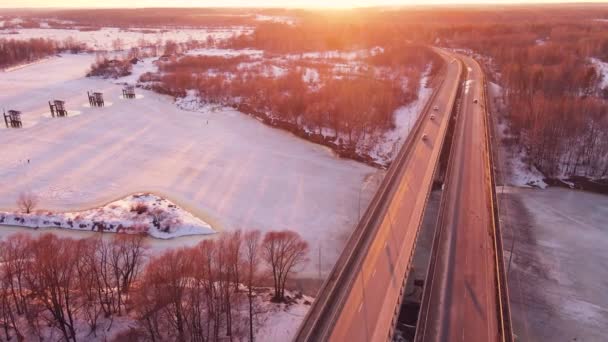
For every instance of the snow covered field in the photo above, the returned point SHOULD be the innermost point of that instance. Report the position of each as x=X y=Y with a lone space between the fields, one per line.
x=103 y=39
x=557 y=281
x=225 y=168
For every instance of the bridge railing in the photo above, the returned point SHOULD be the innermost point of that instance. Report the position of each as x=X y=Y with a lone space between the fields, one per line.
x=330 y=300
x=503 y=287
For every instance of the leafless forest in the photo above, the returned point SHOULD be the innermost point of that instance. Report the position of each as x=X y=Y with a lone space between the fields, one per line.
x=542 y=57
x=555 y=104
x=202 y=293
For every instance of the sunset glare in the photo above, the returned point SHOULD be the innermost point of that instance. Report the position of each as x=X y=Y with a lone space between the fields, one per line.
x=258 y=3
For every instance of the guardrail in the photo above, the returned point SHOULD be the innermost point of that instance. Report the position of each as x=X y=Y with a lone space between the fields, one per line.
x=503 y=287
x=323 y=314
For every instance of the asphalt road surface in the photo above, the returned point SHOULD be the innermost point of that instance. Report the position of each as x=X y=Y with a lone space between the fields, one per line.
x=361 y=295
x=463 y=303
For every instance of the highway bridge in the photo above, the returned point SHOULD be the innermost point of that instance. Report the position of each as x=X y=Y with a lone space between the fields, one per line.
x=465 y=298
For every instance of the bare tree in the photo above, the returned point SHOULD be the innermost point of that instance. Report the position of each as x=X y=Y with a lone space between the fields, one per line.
x=11 y=295
x=251 y=256
x=163 y=299
x=89 y=284
x=52 y=278
x=27 y=201
x=283 y=251
x=125 y=259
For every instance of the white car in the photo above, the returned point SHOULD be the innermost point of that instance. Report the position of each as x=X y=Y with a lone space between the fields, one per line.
x=432 y=116
x=436 y=108
x=424 y=137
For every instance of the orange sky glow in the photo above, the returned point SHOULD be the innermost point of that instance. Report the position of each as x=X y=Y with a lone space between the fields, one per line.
x=252 y=3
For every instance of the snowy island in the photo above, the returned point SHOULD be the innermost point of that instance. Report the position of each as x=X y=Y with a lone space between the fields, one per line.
x=141 y=213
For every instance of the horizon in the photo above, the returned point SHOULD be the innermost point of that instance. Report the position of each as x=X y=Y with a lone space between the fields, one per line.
x=273 y=4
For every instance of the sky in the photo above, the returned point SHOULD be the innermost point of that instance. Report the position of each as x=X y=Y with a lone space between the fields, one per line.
x=250 y=3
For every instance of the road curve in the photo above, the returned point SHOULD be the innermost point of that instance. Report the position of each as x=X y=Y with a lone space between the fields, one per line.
x=359 y=299
x=465 y=296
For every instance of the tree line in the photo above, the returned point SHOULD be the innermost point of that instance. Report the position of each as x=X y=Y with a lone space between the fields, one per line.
x=555 y=105
x=14 y=52
x=347 y=107
x=51 y=286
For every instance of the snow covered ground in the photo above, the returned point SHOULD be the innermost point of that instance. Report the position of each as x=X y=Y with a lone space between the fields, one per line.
x=225 y=168
x=602 y=69
x=281 y=321
x=226 y=52
x=515 y=169
x=405 y=118
x=104 y=38
x=138 y=213
x=276 y=19
x=273 y=322
x=557 y=280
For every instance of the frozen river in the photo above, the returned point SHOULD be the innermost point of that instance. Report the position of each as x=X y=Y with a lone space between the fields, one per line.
x=224 y=167
x=559 y=270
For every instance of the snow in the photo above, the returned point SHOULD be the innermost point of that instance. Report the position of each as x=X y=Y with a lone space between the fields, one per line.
x=107 y=329
x=224 y=167
x=523 y=174
x=282 y=321
x=142 y=67
x=192 y=102
x=226 y=52
x=103 y=39
x=602 y=69
x=517 y=170
x=495 y=88
x=273 y=71
x=335 y=54
x=405 y=118
x=120 y=216
x=311 y=76
x=276 y=19
x=272 y=321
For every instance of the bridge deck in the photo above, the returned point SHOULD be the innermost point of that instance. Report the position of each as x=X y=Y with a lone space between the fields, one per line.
x=465 y=296
x=359 y=299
